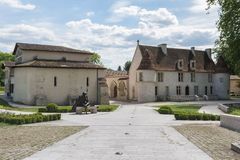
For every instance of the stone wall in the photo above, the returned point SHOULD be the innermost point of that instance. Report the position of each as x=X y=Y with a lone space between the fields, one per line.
x=230 y=121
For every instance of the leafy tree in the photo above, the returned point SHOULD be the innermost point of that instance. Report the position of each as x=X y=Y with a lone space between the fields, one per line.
x=119 y=68
x=228 y=43
x=4 y=57
x=96 y=59
x=127 y=65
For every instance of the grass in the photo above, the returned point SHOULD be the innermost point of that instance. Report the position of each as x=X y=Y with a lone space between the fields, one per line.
x=1 y=90
x=183 y=108
x=107 y=108
x=234 y=111
x=6 y=106
x=4 y=124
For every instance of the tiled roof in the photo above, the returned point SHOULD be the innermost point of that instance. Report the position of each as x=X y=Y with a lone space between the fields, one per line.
x=221 y=66
x=112 y=73
x=49 y=48
x=155 y=59
x=59 y=64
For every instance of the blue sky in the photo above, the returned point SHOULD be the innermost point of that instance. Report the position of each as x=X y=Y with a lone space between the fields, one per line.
x=110 y=28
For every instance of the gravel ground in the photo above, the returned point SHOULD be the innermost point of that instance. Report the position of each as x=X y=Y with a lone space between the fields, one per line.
x=18 y=142
x=214 y=140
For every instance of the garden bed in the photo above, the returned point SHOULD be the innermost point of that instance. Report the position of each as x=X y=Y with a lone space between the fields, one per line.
x=107 y=108
x=27 y=119
x=187 y=113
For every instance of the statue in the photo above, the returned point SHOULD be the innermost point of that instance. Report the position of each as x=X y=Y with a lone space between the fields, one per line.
x=82 y=101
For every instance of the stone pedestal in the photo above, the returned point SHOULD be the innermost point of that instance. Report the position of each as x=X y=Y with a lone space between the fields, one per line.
x=236 y=147
x=103 y=91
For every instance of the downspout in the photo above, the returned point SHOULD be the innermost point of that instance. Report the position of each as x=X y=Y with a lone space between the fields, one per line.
x=97 y=87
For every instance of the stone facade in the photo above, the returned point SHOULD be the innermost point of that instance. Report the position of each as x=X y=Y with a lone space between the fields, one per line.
x=156 y=76
x=235 y=85
x=56 y=74
x=117 y=82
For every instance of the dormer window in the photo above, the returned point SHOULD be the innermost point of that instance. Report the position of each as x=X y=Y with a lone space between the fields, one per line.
x=180 y=64
x=192 y=64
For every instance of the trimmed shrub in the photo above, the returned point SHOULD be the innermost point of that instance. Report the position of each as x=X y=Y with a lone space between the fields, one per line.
x=196 y=116
x=26 y=119
x=165 y=110
x=42 y=109
x=52 y=107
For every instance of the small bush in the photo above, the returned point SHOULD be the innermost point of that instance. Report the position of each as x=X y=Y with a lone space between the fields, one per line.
x=165 y=110
x=52 y=107
x=42 y=109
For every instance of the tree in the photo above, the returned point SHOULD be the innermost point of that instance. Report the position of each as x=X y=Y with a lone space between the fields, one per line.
x=4 y=57
x=119 y=68
x=96 y=59
x=228 y=43
x=127 y=65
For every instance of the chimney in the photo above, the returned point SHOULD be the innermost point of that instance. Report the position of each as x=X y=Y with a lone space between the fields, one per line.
x=193 y=50
x=163 y=47
x=209 y=52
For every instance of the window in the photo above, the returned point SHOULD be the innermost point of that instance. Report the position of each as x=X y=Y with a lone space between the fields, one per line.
x=209 y=77
x=140 y=76
x=156 y=91
x=178 y=90
x=160 y=77
x=87 y=81
x=206 y=90
x=180 y=64
x=180 y=77
x=221 y=80
x=192 y=64
x=211 y=90
x=193 y=77
x=11 y=88
x=55 y=81
x=195 y=90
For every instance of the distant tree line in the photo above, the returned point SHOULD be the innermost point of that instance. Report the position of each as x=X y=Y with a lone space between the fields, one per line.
x=4 y=57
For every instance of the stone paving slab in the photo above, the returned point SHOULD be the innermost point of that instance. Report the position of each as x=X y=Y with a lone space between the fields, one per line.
x=214 y=140
x=134 y=131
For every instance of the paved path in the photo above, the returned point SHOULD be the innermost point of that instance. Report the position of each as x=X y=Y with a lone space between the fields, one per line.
x=135 y=132
x=211 y=109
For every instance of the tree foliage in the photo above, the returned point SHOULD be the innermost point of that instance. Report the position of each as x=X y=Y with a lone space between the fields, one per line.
x=96 y=59
x=228 y=43
x=4 y=57
x=127 y=65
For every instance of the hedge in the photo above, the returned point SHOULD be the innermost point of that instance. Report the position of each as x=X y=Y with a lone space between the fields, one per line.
x=165 y=110
x=53 y=108
x=26 y=119
x=196 y=116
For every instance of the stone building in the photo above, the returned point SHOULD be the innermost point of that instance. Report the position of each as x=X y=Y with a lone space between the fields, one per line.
x=43 y=73
x=161 y=73
x=235 y=85
x=117 y=82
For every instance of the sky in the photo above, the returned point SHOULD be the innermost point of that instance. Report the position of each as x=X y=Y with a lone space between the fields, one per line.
x=108 y=27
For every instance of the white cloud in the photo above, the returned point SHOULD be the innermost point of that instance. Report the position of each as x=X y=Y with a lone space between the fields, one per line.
x=90 y=14
x=17 y=4
x=161 y=16
x=200 y=6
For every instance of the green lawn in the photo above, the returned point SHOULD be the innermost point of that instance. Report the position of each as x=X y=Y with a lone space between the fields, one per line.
x=5 y=105
x=4 y=124
x=234 y=111
x=183 y=108
x=1 y=90
x=107 y=108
